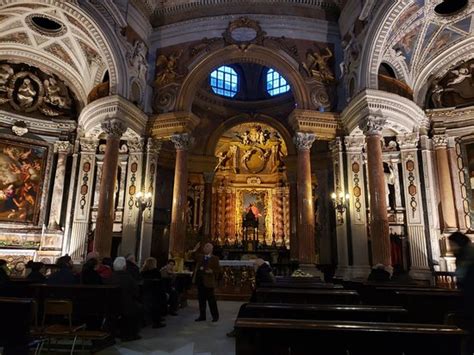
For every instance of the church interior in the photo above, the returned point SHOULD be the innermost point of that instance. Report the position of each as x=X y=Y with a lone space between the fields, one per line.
x=334 y=139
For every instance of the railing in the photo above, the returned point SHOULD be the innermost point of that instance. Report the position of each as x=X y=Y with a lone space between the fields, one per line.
x=445 y=279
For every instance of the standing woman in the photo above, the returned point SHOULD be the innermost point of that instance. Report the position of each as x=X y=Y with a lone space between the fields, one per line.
x=154 y=297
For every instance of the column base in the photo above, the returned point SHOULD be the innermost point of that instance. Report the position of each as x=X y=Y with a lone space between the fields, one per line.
x=343 y=272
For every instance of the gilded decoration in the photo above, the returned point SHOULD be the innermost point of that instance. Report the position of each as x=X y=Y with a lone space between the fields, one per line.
x=317 y=65
x=26 y=89
x=167 y=69
x=251 y=148
x=243 y=32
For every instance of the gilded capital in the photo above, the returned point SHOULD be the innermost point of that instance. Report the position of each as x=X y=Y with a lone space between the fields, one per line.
x=182 y=141
x=114 y=128
x=372 y=125
x=304 y=141
x=62 y=147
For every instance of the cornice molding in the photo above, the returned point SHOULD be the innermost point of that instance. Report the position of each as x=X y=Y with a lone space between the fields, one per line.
x=111 y=107
x=323 y=124
x=401 y=114
x=454 y=122
x=172 y=123
x=39 y=126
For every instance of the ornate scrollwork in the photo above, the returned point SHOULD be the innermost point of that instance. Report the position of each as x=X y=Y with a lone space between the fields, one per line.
x=244 y=31
x=320 y=98
x=165 y=98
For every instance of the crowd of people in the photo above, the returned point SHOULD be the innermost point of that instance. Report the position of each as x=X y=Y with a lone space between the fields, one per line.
x=148 y=294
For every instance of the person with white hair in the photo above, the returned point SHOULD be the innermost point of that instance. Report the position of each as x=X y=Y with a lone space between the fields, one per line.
x=131 y=309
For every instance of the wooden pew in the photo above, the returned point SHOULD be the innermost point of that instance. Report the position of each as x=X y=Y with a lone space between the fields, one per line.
x=17 y=317
x=324 y=312
x=307 y=296
x=306 y=337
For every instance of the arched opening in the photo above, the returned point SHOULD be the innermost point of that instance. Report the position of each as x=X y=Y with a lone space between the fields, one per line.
x=450 y=7
x=388 y=81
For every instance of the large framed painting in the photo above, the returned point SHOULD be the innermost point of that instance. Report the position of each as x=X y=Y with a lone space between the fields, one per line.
x=22 y=176
x=257 y=203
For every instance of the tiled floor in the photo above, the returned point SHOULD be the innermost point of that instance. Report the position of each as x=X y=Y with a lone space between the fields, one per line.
x=184 y=336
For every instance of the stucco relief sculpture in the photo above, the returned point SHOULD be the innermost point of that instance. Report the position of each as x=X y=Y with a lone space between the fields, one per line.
x=455 y=88
x=32 y=90
x=137 y=58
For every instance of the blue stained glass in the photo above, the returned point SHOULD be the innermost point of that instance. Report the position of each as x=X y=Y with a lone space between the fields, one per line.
x=276 y=84
x=227 y=82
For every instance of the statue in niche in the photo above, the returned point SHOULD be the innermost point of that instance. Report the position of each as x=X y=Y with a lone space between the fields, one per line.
x=317 y=66
x=389 y=176
x=166 y=69
x=26 y=94
x=55 y=95
x=6 y=72
x=137 y=58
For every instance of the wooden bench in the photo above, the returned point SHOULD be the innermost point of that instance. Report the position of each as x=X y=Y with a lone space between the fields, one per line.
x=306 y=296
x=17 y=317
x=324 y=312
x=306 y=337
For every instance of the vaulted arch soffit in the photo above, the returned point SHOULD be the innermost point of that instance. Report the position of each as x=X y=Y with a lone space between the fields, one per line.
x=414 y=39
x=80 y=52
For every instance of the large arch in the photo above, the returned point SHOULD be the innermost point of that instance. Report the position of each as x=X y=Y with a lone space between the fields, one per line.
x=372 y=53
x=211 y=143
x=282 y=62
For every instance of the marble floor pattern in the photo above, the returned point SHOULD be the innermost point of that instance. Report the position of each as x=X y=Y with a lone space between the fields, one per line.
x=183 y=336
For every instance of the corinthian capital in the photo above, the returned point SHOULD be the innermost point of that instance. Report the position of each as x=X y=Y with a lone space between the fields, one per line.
x=440 y=141
x=88 y=145
x=182 y=141
x=372 y=125
x=408 y=140
x=63 y=147
x=304 y=141
x=135 y=146
x=114 y=128
x=354 y=143
x=153 y=146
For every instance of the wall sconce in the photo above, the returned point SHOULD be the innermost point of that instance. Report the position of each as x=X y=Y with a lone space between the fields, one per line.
x=340 y=201
x=143 y=200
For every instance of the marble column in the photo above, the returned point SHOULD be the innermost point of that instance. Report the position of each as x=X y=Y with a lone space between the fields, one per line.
x=446 y=196
x=337 y=152
x=63 y=149
x=84 y=193
x=153 y=148
x=360 y=267
x=461 y=201
x=177 y=244
x=134 y=185
x=208 y=178
x=431 y=195
x=379 y=229
x=448 y=207
x=293 y=207
x=114 y=129
x=415 y=224
x=306 y=242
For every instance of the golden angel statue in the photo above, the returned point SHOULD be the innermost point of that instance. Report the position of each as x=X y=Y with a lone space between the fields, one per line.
x=166 y=68
x=317 y=66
